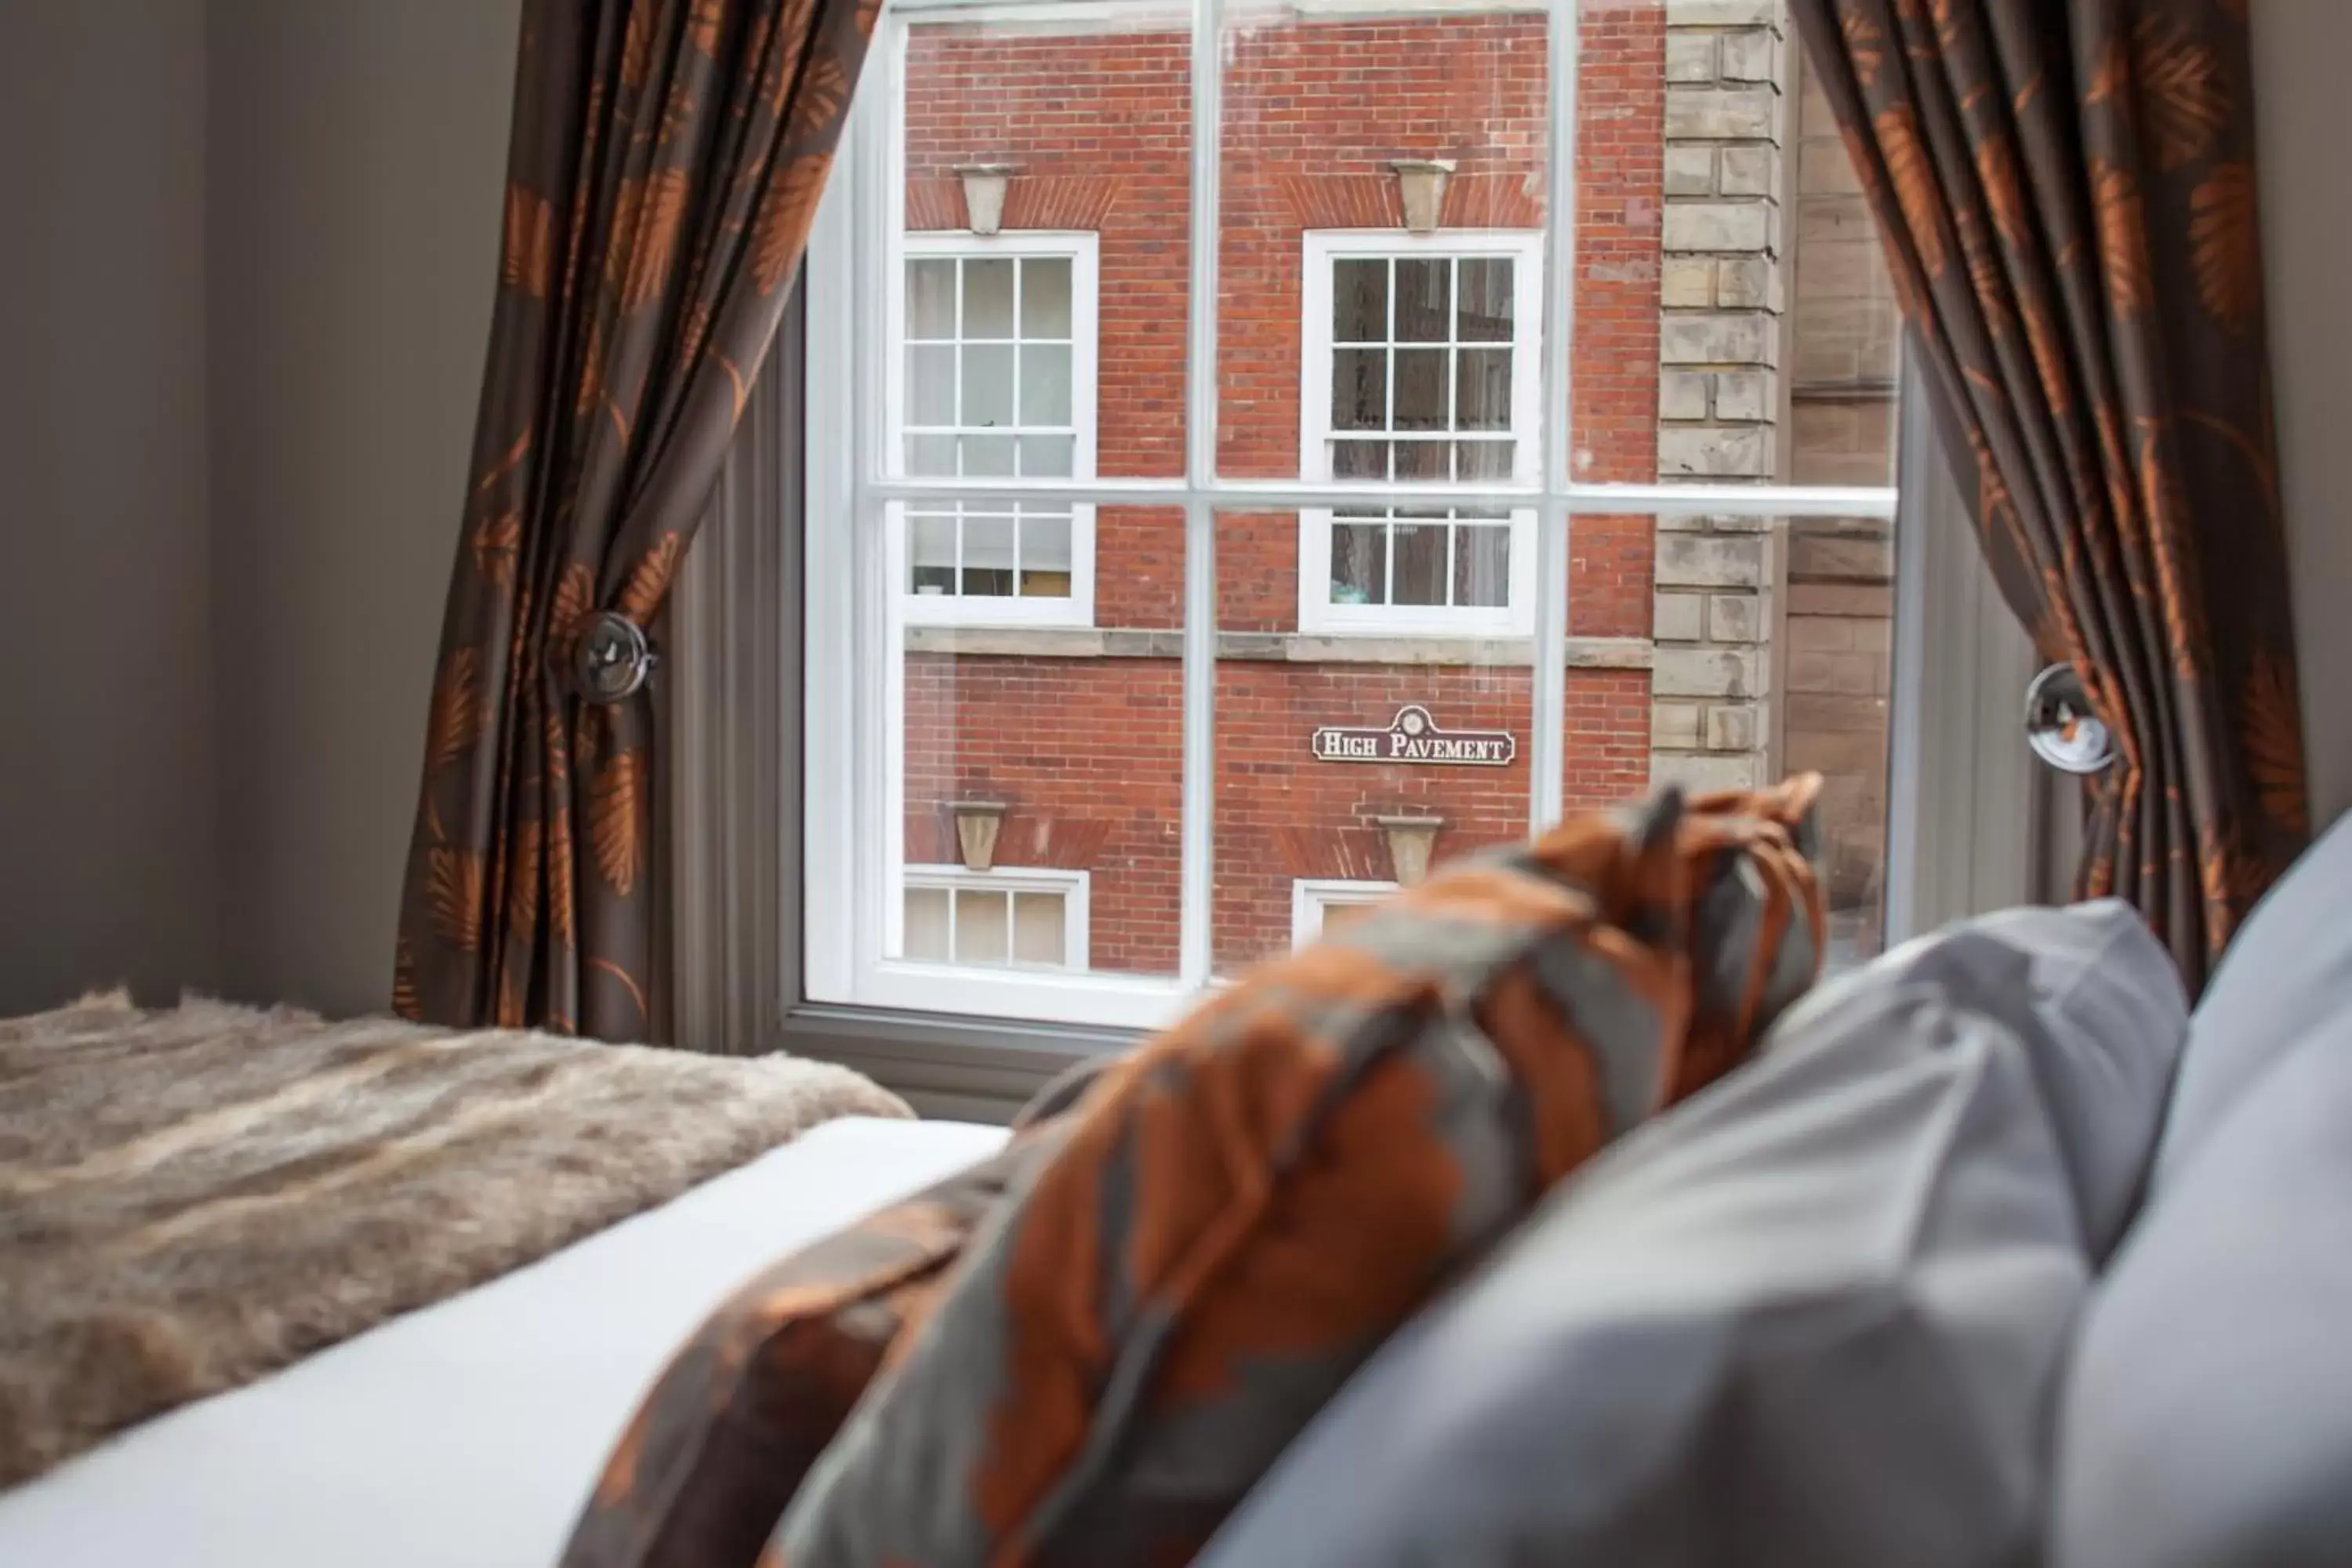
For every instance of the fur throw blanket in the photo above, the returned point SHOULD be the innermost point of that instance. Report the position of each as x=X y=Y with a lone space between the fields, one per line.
x=191 y=1198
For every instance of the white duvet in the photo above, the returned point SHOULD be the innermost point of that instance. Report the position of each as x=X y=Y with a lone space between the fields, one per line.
x=465 y=1436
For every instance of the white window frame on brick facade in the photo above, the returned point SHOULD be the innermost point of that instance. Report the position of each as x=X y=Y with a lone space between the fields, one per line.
x=852 y=805
x=1321 y=250
x=1083 y=251
x=1310 y=897
x=1071 y=887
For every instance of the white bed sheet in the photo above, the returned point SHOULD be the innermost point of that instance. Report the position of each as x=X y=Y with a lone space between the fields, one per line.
x=466 y=1435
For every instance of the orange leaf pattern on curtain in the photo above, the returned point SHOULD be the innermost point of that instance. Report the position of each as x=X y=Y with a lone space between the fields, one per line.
x=2095 y=158
x=663 y=172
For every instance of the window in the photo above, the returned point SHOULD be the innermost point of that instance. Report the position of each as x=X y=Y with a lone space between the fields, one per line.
x=996 y=379
x=995 y=919
x=1420 y=364
x=1321 y=908
x=1474 y=413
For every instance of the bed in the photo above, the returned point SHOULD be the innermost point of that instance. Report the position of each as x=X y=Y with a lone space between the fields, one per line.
x=465 y=1435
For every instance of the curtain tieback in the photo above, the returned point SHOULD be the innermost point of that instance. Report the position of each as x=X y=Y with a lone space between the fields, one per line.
x=2061 y=726
x=612 y=659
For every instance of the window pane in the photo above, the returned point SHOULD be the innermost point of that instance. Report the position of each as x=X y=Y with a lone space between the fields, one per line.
x=988 y=540
x=1318 y=105
x=1093 y=116
x=987 y=384
x=1754 y=623
x=988 y=298
x=1046 y=457
x=1045 y=298
x=989 y=457
x=1421 y=391
x=931 y=299
x=932 y=384
x=1482 y=389
x=1045 y=384
x=1360 y=459
x=984 y=927
x=1424 y=460
x=1486 y=302
x=1482 y=459
x=1037 y=929
x=1359 y=301
x=1482 y=565
x=1756 y=314
x=1844 y=329
x=1423 y=740
x=931 y=553
x=930 y=456
x=927 y=936
x=1425 y=301
x=1360 y=389
x=1420 y=562
x=1337 y=918
x=1081 y=750
x=1360 y=564
x=1046 y=545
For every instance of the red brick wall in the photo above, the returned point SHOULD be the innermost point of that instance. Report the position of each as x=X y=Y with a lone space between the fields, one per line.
x=1088 y=753
x=1088 y=750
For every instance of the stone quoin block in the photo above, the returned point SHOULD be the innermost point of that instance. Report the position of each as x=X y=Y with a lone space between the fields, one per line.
x=1724 y=13
x=1721 y=113
x=1715 y=451
x=1719 y=337
x=1700 y=773
x=1710 y=560
x=1731 y=727
x=1747 y=395
x=1752 y=56
x=1717 y=225
x=1686 y=280
x=1683 y=394
x=1690 y=171
x=1676 y=724
x=1735 y=617
x=1691 y=56
x=1750 y=172
x=1678 y=618
x=1706 y=672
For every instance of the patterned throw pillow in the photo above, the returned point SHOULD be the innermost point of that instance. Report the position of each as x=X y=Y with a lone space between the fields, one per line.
x=1238 y=1213
x=705 y=1468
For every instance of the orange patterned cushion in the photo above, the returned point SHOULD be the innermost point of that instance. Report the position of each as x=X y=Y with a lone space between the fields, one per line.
x=706 y=1465
x=1234 y=1215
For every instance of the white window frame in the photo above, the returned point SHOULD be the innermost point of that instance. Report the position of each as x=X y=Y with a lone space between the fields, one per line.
x=1320 y=250
x=1310 y=897
x=854 y=640
x=1082 y=249
x=1071 y=887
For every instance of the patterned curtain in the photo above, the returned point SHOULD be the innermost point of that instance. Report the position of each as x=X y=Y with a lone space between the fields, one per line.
x=2066 y=192
x=665 y=165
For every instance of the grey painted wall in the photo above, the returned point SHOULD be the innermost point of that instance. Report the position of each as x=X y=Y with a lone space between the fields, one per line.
x=2307 y=237
x=220 y=791
x=357 y=155
x=107 y=751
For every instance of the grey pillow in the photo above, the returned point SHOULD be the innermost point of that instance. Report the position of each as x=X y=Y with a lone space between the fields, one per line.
x=2207 y=1420
x=2288 y=971
x=1815 y=1316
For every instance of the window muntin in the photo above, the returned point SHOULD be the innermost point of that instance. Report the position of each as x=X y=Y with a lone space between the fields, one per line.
x=995 y=919
x=1324 y=907
x=1590 y=642
x=994 y=378
x=1420 y=362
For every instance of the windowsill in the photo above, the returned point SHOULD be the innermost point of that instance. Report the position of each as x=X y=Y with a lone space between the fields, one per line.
x=945 y=1066
x=1272 y=648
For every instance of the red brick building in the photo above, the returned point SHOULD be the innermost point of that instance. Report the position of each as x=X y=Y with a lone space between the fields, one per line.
x=1042 y=676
